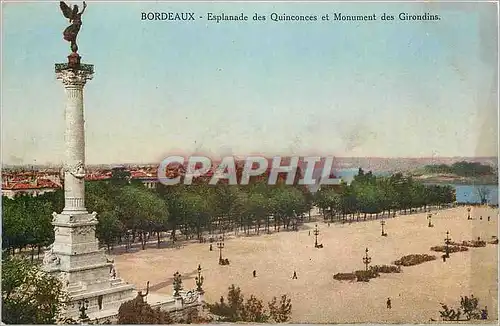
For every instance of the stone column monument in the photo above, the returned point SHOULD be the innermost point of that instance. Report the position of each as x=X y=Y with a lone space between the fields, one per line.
x=74 y=256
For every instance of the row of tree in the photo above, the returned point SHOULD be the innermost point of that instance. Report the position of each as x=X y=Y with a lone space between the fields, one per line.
x=369 y=194
x=128 y=211
x=463 y=169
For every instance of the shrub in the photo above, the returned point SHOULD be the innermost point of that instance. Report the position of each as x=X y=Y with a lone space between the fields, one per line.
x=477 y=243
x=365 y=276
x=469 y=307
x=452 y=249
x=414 y=259
x=29 y=295
x=136 y=311
x=344 y=276
x=473 y=243
x=386 y=269
x=236 y=309
x=254 y=311
x=281 y=312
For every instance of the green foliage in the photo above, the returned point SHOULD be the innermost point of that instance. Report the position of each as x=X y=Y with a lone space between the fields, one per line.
x=124 y=206
x=483 y=193
x=469 y=308
x=451 y=249
x=344 y=276
x=120 y=176
x=366 y=275
x=280 y=312
x=29 y=295
x=137 y=311
x=369 y=194
x=252 y=310
x=109 y=228
x=449 y=314
x=462 y=169
x=27 y=221
x=414 y=259
x=473 y=243
x=386 y=268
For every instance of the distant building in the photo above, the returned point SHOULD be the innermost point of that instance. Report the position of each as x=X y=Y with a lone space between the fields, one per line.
x=35 y=187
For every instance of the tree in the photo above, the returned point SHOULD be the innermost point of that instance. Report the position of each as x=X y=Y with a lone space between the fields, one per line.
x=109 y=228
x=29 y=295
x=254 y=311
x=286 y=202
x=469 y=307
x=236 y=309
x=328 y=200
x=13 y=224
x=232 y=311
x=281 y=312
x=483 y=193
x=225 y=202
x=136 y=311
x=171 y=196
x=120 y=176
x=27 y=222
x=141 y=209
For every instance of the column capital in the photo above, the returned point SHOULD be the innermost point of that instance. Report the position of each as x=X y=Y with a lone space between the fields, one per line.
x=74 y=78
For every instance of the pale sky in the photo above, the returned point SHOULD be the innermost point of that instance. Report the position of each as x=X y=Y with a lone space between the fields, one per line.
x=385 y=89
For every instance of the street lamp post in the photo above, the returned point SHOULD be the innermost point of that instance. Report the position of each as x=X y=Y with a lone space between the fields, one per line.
x=199 y=280
x=177 y=284
x=220 y=245
x=382 y=223
x=447 y=244
x=367 y=260
x=316 y=233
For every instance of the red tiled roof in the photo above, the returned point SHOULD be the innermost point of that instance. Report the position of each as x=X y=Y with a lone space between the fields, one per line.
x=138 y=174
x=40 y=184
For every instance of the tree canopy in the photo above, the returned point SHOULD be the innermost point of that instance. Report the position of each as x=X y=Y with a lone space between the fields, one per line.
x=128 y=211
x=29 y=295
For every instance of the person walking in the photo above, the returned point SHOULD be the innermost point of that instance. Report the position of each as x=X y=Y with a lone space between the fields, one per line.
x=389 y=306
x=484 y=313
x=294 y=277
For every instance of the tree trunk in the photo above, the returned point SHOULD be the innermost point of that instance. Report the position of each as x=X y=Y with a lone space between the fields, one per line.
x=158 y=235
x=143 y=240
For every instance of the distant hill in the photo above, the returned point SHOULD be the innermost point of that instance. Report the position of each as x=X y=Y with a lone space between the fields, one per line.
x=379 y=164
x=458 y=172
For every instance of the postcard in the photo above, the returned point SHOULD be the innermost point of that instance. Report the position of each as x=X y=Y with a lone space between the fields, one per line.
x=260 y=162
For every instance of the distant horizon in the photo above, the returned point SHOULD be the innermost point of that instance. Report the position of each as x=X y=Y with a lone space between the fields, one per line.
x=438 y=160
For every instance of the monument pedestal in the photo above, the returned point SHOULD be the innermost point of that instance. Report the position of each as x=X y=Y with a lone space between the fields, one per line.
x=75 y=256
x=82 y=267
